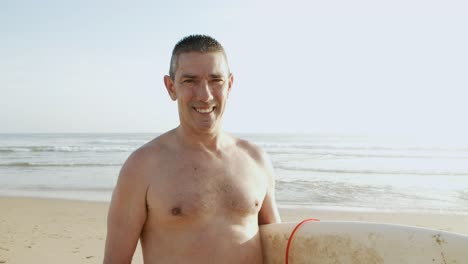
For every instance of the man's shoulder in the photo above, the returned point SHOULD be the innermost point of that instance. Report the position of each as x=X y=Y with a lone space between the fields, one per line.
x=256 y=153
x=252 y=149
x=152 y=151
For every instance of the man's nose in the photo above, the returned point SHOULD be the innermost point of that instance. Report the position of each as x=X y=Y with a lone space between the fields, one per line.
x=204 y=92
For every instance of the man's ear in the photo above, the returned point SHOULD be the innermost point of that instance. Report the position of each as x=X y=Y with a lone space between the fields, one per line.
x=169 y=83
x=231 y=82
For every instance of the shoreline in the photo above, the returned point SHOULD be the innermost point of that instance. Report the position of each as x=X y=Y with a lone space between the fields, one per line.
x=105 y=198
x=59 y=230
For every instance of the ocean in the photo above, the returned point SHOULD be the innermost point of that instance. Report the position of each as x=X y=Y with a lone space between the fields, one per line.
x=332 y=172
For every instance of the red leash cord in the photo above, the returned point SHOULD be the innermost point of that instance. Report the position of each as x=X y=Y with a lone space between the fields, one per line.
x=294 y=231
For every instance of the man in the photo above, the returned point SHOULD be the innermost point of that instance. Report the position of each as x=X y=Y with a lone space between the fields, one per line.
x=194 y=194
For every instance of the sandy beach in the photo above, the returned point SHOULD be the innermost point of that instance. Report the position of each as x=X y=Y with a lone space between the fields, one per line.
x=64 y=231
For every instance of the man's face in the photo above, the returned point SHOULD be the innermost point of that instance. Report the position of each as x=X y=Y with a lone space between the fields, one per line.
x=201 y=86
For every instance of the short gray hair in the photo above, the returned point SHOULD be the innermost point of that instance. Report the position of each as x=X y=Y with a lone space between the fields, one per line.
x=194 y=43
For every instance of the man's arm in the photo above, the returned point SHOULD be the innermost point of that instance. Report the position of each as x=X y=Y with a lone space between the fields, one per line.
x=127 y=212
x=269 y=212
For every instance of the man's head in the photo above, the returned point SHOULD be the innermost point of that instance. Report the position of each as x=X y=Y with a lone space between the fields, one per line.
x=200 y=81
x=194 y=43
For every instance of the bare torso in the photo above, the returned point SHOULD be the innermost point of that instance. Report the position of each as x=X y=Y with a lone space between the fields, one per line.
x=203 y=206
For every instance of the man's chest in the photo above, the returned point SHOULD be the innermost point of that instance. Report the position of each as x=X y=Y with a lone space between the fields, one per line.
x=197 y=188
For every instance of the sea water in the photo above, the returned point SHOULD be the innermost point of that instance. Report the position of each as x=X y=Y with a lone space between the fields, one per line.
x=334 y=172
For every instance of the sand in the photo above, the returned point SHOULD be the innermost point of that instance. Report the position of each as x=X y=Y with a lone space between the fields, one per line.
x=62 y=231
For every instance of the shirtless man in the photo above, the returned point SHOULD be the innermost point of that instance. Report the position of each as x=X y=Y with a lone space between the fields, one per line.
x=194 y=194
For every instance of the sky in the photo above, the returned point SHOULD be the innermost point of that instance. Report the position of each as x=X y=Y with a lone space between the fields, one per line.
x=360 y=67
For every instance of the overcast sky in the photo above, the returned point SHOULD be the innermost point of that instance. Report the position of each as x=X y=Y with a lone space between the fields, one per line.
x=367 y=67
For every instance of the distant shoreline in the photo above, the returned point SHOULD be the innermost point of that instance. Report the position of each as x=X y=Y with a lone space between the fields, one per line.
x=304 y=209
x=345 y=173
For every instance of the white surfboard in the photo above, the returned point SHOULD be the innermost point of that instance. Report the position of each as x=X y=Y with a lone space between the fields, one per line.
x=360 y=242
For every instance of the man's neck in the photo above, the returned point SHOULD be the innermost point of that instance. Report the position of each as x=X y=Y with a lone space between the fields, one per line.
x=211 y=141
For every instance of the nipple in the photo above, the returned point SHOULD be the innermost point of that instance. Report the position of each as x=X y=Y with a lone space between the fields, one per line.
x=176 y=211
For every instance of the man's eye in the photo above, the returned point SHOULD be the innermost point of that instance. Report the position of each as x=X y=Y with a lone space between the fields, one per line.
x=188 y=81
x=217 y=80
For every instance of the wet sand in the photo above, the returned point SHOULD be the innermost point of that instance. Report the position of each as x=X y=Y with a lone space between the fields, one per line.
x=62 y=231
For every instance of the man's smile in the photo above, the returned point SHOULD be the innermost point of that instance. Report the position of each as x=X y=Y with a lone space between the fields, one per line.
x=205 y=110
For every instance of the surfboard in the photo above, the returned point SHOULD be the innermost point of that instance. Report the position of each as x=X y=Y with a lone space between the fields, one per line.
x=344 y=242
